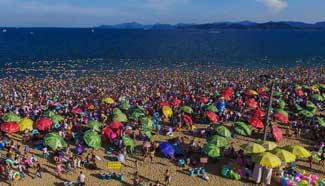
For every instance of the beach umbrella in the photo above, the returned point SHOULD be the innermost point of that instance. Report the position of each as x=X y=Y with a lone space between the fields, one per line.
x=220 y=141
x=243 y=129
x=146 y=122
x=44 y=124
x=128 y=142
x=221 y=105
x=267 y=159
x=314 y=88
x=57 y=118
x=268 y=145
x=164 y=104
x=255 y=122
x=261 y=90
x=299 y=92
x=187 y=109
x=147 y=133
x=10 y=127
x=108 y=133
x=321 y=121
x=281 y=116
x=252 y=148
x=251 y=93
x=251 y=103
x=277 y=133
x=212 y=108
x=25 y=124
x=311 y=106
x=317 y=97
x=108 y=100
x=282 y=104
x=212 y=150
x=298 y=107
x=227 y=94
x=124 y=105
x=176 y=102
x=76 y=110
x=49 y=114
x=120 y=117
x=167 y=149
x=277 y=93
x=212 y=117
x=167 y=111
x=94 y=125
x=11 y=117
x=203 y=99
x=299 y=151
x=258 y=113
x=54 y=141
x=116 y=125
x=92 y=139
x=222 y=131
x=187 y=119
x=306 y=113
x=136 y=114
x=116 y=111
x=285 y=155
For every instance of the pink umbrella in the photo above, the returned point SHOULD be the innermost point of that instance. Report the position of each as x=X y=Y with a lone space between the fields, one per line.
x=76 y=110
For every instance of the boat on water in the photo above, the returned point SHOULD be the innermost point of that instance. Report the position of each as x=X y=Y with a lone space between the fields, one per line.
x=4 y=30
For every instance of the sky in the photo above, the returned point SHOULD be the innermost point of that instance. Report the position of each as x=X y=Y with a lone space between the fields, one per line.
x=87 y=13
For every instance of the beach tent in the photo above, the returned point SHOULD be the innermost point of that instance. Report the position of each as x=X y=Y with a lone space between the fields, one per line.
x=255 y=122
x=94 y=125
x=44 y=124
x=25 y=124
x=11 y=117
x=167 y=149
x=212 y=150
x=277 y=133
x=222 y=131
x=54 y=141
x=10 y=127
x=243 y=129
x=92 y=139
x=167 y=111
x=212 y=117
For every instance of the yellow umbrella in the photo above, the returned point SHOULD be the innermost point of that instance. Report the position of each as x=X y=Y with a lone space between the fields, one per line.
x=285 y=156
x=267 y=159
x=25 y=124
x=314 y=88
x=109 y=100
x=299 y=151
x=167 y=111
x=269 y=145
x=252 y=148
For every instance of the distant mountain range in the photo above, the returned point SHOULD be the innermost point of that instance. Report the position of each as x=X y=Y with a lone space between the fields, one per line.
x=243 y=25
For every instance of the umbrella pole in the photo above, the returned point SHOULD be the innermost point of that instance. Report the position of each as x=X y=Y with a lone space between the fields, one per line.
x=267 y=122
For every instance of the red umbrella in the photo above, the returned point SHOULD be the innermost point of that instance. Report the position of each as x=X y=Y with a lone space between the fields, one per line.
x=176 y=102
x=187 y=119
x=115 y=125
x=76 y=110
x=281 y=117
x=44 y=124
x=299 y=92
x=164 y=104
x=258 y=113
x=108 y=133
x=204 y=100
x=227 y=93
x=255 y=122
x=251 y=103
x=277 y=133
x=10 y=127
x=260 y=90
x=211 y=116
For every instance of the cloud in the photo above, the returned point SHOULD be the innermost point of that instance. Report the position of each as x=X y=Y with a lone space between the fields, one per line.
x=163 y=5
x=274 y=5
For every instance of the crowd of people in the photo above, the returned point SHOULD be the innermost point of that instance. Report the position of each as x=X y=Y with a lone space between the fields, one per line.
x=150 y=90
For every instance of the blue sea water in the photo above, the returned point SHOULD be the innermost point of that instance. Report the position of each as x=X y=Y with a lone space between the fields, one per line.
x=227 y=48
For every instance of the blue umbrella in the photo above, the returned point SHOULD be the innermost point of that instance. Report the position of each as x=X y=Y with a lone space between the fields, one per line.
x=167 y=149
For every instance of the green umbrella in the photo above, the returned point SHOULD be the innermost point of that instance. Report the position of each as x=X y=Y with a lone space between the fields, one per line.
x=282 y=104
x=49 y=114
x=310 y=105
x=277 y=93
x=212 y=108
x=317 y=97
x=298 y=107
x=306 y=87
x=222 y=131
x=218 y=140
x=146 y=123
x=147 y=132
x=11 y=117
x=54 y=141
x=92 y=139
x=321 y=121
x=120 y=117
x=128 y=142
x=57 y=118
x=94 y=125
x=306 y=113
x=282 y=112
x=187 y=109
x=116 y=111
x=212 y=150
x=321 y=86
x=243 y=129
x=124 y=105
